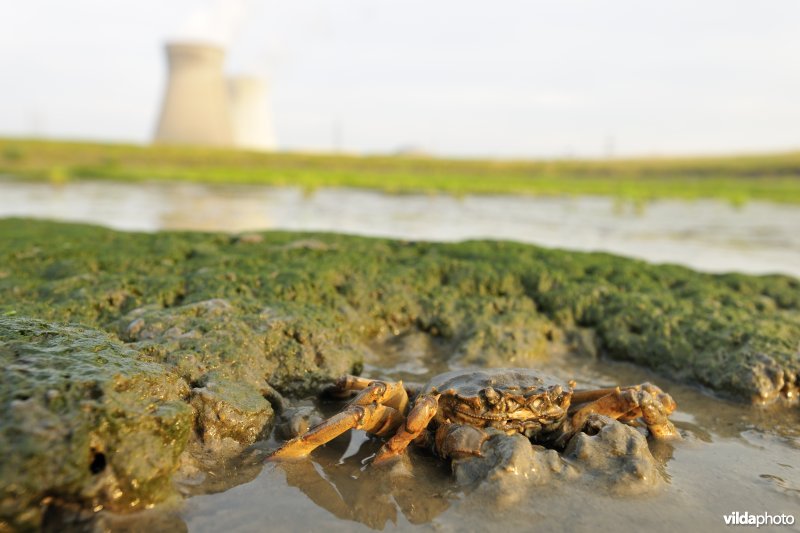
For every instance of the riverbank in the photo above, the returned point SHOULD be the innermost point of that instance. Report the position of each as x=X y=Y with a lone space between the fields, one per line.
x=736 y=179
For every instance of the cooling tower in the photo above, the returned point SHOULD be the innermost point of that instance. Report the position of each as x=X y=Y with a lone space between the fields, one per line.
x=196 y=109
x=250 y=114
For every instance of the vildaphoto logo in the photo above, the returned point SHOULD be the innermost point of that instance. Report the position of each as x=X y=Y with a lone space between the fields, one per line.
x=764 y=519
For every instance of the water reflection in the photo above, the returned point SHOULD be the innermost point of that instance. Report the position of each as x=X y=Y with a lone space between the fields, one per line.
x=758 y=237
x=195 y=209
x=351 y=489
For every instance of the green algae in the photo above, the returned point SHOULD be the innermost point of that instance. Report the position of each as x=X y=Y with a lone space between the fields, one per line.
x=230 y=410
x=298 y=309
x=226 y=320
x=85 y=420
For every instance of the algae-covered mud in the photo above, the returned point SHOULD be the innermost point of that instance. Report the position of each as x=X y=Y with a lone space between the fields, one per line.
x=78 y=406
x=138 y=364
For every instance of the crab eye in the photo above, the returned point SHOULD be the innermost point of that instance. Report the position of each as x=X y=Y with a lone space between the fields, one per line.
x=491 y=395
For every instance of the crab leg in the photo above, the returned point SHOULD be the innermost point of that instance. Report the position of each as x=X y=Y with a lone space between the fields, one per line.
x=585 y=396
x=376 y=419
x=646 y=400
x=418 y=418
x=343 y=386
x=377 y=409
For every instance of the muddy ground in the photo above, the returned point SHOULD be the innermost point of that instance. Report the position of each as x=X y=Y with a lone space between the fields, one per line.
x=135 y=358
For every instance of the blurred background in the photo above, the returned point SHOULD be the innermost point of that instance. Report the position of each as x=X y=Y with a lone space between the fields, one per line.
x=523 y=79
x=668 y=132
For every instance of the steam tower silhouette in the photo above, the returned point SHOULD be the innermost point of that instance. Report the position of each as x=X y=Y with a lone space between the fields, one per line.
x=250 y=114
x=201 y=107
x=195 y=108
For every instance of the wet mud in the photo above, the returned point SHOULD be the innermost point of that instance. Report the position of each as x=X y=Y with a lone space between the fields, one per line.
x=731 y=457
x=162 y=367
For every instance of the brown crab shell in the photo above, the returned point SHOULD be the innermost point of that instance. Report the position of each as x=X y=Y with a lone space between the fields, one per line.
x=514 y=400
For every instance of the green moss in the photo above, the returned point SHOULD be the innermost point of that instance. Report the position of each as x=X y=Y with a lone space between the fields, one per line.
x=203 y=326
x=735 y=179
x=229 y=409
x=297 y=309
x=84 y=420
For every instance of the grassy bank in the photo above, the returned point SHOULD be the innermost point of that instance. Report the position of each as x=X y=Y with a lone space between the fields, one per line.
x=737 y=178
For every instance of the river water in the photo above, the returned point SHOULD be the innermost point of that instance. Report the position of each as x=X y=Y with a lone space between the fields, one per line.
x=706 y=235
x=731 y=458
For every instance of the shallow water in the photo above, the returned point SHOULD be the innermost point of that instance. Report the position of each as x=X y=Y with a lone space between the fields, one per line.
x=705 y=234
x=731 y=458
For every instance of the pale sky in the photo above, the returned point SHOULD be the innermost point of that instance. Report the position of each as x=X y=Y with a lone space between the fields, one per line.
x=510 y=78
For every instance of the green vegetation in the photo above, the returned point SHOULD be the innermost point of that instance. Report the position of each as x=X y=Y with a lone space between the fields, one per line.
x=84 y=418
x=298 y=309
x=735 y=179
x=184 y=337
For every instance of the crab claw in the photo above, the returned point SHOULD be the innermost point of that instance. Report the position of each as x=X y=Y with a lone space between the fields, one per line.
x=418 y=419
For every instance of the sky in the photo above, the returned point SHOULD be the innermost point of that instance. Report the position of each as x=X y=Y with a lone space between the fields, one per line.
x=510 y=78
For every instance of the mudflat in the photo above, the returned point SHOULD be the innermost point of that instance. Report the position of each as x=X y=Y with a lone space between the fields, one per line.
x=137 y=362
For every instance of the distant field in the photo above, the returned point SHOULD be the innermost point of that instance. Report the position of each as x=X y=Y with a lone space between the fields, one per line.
x=736 y=179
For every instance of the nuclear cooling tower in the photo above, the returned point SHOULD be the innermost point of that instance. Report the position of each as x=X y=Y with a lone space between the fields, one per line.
x=196 y=109
x=250 y=113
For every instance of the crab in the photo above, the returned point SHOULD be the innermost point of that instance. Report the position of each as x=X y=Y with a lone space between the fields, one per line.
x=455 y=412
